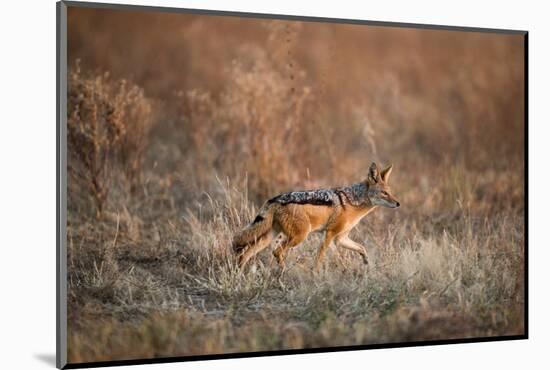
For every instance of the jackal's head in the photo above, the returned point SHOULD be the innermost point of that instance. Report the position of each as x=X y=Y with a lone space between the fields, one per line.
x=379 y=191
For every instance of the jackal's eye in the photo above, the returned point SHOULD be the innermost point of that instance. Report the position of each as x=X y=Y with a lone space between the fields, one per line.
x=384 y=193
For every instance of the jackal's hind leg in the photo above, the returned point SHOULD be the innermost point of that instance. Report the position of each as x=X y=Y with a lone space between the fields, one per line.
x=278 y=243
x=255 y=248
x=346 y=242
x=281 y=251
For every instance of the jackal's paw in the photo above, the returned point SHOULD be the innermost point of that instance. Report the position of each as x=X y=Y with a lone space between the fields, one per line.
x=278 y=254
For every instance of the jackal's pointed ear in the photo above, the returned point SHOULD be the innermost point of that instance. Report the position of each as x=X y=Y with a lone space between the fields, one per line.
x=374 y=174
x=385 y=174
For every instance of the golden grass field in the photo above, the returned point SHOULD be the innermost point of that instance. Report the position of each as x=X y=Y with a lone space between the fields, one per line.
x=181 y=126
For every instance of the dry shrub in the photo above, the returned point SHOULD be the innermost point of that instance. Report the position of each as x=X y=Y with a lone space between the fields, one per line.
x=108 y=125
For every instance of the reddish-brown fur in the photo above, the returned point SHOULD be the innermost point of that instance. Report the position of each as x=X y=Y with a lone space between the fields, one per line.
x=297 y=221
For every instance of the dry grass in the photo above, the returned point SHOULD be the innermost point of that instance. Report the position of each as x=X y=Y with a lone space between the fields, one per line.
x=164 y=169
x=181 y=293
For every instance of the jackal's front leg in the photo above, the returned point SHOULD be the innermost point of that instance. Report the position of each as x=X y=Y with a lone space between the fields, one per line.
x=329 y=236
x=347 y=243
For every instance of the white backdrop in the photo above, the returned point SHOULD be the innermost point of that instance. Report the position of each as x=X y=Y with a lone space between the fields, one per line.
x=27 y=184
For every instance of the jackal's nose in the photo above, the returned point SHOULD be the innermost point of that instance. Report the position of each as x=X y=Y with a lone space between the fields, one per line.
x=397 y=204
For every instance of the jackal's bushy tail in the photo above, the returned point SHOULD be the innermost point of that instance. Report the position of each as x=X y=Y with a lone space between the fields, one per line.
x=257 y=230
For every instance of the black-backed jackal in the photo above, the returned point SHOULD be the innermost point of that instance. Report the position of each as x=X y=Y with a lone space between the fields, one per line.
x=296 y=214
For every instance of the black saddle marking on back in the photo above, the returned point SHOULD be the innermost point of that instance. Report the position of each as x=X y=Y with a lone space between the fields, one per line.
x=321 y=197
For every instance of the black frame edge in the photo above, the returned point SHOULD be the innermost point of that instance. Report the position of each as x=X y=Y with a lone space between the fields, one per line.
x=526 y=182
